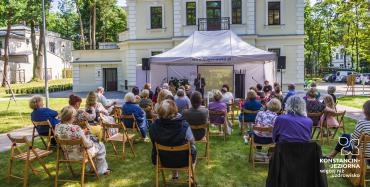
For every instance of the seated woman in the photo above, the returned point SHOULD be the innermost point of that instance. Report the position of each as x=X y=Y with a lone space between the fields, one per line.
x=313 y=105
x=227 y=96
x=95 y=110
x=67 y=131
x=250 y=104
x=329 y=108
x=171 y=130
x=219 y=106
x=277 y=94
x=156 y=93
x=40 y=113
x=266 y=119
x=130 y=107
x=196 y=115
x=148 y=86
x=362 y=127
x=182 y=101
x=147 y=105
x=294 y=126
x=161 y=97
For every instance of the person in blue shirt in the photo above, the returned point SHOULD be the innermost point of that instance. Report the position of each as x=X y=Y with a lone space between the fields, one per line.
x=250 y=104
x=40 y=113
x=130 y=107
x=291 y=92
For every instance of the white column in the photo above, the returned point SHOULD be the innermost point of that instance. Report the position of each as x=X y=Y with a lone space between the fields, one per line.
x=300 y=16
x=177 y=14
x=131 y=18
x=131 y=67
x=300 y=63
x=76 y=77
x=98 y=75
x=251 y=16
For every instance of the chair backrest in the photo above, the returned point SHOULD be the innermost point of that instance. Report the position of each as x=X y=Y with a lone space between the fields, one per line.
x=83 y=124
x=109 y=125
x=217 y=113
x=364 y=140
x=185 y=147
x=203 y=126
x=250 y=111
x=116 y=112
x=16 y=140
x=313 y=115
x=70 y=142
x=42 y=123
x=262 y=129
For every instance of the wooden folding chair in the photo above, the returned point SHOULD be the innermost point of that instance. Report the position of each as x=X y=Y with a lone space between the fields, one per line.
x=246 y=123
x=122 y=136
x=116 y=113
x=86 y=158
x=204 y=140
x=318 y=126
x=253 y=145
x=222 y=127
x=340 y=118
x=29 y=156
x=49 y=136
x=135 y=127
x=189 y=169
x=364 y=141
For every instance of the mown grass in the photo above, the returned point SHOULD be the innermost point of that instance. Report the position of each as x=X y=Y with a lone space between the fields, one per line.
x=228 y=166
x=355 y=101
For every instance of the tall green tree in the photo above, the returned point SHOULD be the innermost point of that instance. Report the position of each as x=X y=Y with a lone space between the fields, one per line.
x=11 y=13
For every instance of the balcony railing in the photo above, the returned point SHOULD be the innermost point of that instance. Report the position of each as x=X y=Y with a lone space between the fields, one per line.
x=213 y=24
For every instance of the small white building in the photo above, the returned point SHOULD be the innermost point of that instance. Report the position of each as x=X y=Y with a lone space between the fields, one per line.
x=59 y=54
x=156 y=26
x=338 y=58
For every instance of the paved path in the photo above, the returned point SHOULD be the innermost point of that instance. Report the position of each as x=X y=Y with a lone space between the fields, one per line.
x=5 y=142
x=351 y=112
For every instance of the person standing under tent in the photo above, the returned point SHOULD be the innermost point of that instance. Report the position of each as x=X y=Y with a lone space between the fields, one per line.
x=199 y=84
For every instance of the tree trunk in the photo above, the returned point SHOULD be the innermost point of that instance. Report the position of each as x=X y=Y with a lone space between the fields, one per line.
x=40 y=53
x=90 y=32
x=36 y=71
x=6 y=54
x=356 y=38
x=82 y=35
x=93 y=30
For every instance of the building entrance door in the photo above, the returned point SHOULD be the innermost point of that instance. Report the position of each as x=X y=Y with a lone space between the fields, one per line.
x=110 y=79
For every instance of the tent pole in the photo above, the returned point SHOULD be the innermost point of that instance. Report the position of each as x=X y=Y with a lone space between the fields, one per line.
x=167 y=73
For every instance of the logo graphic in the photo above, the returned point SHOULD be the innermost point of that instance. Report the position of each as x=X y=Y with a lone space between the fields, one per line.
x=348 y=144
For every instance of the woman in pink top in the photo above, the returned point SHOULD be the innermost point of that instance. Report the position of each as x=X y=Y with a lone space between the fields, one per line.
x=329 y=108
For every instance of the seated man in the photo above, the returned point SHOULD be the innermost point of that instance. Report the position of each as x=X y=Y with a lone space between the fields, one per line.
x=102 y=99
x=171 y=130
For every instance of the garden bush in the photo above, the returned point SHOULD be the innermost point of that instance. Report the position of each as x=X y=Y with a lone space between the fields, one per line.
x=39 y=87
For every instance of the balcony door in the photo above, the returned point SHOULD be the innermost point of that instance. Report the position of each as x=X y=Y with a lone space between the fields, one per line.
x=110 y=79
x=213 y=15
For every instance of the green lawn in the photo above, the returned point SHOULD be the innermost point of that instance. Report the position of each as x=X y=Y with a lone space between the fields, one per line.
x=356 y=101
x=228 y=166
x=18 y=114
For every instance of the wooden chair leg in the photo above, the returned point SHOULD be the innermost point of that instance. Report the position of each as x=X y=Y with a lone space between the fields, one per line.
x=321 y=136
x=10 y=167
x=92 y=164
x=42 y=163
x=253 y=157
x=327 y=135
x=132 y=147
x=313 y=132
x=250 y=152
x=156 y=175
x=114 y=148
x=83 y=169
x=43 y=142
x=26 y=168
x=163 y=177
x=57 y=168
x=68 y=164
x=123 y=150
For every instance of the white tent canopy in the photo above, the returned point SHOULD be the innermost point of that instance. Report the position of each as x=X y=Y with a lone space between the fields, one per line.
x=212 y=48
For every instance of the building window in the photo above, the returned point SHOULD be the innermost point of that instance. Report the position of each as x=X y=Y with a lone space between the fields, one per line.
x=274 y=13
x=52 y=47
x=236 y=12
x=275 y=50
x=156 y=53
x=337 y=56
x=191 y=13
x=1 y=44
x=156 y=17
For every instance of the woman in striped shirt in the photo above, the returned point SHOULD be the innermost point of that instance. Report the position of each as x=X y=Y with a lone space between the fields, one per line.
x=347 y=141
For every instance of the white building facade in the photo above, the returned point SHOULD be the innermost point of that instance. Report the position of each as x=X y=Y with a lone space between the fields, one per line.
x=155 y=26
x=339 y=60
x=59 y=54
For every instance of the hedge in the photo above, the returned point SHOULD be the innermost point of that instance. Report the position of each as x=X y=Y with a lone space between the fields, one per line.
x=39 y=87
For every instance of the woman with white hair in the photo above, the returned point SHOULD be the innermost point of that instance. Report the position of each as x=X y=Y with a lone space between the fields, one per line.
x=294 y=126
x=331 y=91
x=182 y=101
x=130 y=107
x=161 y=97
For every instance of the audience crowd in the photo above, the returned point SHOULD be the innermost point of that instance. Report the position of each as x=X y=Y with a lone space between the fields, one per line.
x=165 y=116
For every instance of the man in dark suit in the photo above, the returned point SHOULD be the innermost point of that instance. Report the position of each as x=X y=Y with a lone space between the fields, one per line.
x=199 y=84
